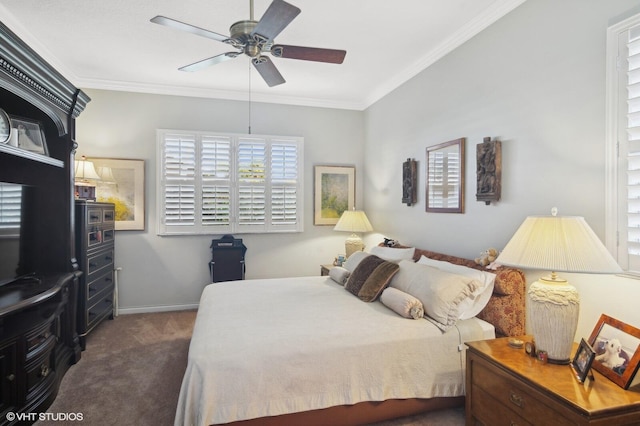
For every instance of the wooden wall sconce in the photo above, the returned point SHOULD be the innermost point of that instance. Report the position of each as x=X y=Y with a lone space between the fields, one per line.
x=409 y=182
x=489 y=170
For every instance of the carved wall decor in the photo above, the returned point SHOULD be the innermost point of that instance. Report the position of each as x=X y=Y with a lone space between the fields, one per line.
x=410 y=182
x=489 y=170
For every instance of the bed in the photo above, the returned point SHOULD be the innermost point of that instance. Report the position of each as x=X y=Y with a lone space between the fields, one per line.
x=308 y=350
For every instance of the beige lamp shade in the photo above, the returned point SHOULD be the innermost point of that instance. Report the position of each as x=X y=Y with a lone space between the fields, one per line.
x=556 y=244
x=85 y=171
x=353 y=221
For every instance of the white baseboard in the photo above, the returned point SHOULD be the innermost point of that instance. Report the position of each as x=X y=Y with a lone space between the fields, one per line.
x=149 y=309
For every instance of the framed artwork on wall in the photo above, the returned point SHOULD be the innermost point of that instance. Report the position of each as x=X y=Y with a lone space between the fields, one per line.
x=122 y=183
x=334 y=192
x=445 y=177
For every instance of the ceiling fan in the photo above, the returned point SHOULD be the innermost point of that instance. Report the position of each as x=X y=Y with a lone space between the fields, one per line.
x=255 y=38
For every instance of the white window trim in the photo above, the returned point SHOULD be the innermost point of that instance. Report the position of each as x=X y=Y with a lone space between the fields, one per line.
x=615 y=228
x=233 y=227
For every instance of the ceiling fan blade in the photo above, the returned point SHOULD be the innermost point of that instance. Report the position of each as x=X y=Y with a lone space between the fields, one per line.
x=196 y=66
x=308 y=53
x=278 y=15
x=168 y=22
x=268 y=71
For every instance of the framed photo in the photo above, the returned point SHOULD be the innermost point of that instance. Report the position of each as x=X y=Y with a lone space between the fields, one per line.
x=334 y=192
x=582 y=360
x=616 y=346
x=28 y=135
x=445 y=177
x=122 y=183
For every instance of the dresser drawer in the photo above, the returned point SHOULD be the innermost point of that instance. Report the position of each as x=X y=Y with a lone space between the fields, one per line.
x=99 y=261
x=40 y=339
x=39 y=373
x=99 y=310
x=98 y=286
x=490 y=413
x=510 y=395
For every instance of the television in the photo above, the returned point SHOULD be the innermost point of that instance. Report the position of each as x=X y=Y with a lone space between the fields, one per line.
x=18 y=234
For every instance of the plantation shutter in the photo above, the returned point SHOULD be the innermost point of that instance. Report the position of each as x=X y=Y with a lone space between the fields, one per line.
x=179 y=165
x=216 y=181
x=252 y=179
x=214 y=184
x=10 y=207
x=632 y=146
x=284 y=176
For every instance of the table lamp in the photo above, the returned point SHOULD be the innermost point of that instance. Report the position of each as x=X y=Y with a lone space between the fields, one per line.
x=556 y=244
x=85 y=177
x=353 y=221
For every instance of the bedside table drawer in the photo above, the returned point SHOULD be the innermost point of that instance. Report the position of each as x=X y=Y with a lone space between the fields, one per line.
x=489 y=413
x=512 y=396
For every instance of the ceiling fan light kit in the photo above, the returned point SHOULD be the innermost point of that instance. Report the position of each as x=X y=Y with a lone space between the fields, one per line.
x=255 y=38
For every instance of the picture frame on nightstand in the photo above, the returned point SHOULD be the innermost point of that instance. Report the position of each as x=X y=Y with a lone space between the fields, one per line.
x=582 y=360
x=617 y=350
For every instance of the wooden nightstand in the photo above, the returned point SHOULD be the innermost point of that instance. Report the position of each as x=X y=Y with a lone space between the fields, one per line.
x=324 y=269
x=505 y=386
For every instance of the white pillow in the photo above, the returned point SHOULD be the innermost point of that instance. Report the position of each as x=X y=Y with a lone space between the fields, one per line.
x=444 y=295
x=482 y=296
x=339 y=274
x=353 y=260
x=402 y=303
x=393 y=254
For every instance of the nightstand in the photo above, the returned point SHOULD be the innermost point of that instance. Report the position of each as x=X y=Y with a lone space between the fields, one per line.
x=505 y=386
x=324 y=269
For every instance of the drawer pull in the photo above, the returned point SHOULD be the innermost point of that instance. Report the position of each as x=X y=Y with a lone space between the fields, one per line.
x=513 y=423
x=11 y=377
x=516 y=399
x=44 y=370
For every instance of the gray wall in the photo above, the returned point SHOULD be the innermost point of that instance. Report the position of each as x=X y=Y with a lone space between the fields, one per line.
x=536 y=81
x=170 y=272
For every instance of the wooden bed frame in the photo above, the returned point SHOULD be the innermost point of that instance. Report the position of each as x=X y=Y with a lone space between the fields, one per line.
x=505 y=311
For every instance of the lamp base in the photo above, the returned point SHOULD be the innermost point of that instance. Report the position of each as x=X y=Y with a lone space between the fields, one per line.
x=353 y=244
x=554 y=307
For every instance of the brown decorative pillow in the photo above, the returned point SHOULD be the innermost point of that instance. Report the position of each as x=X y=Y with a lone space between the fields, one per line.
x=361 y=272
x=377 y=281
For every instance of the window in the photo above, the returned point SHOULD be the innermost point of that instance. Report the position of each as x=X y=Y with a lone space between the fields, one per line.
x=623 y=144
x=225 y=183
x=10 y=209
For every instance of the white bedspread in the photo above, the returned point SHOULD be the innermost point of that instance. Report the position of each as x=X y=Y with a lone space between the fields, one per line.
x=275 y=346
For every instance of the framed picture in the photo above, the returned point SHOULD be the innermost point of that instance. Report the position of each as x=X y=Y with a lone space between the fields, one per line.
x=334 y=192
x=445 y=177
x=122 y=183
x=582 y=360
x=616 y=346
x=28 y=135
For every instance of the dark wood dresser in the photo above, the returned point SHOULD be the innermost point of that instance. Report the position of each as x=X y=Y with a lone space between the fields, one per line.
x=505 y=386
x=95 y=238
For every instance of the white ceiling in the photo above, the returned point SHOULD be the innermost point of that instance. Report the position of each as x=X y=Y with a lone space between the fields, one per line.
x=112 y=45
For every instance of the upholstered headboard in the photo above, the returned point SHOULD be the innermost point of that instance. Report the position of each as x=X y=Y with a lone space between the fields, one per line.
x=506 y=307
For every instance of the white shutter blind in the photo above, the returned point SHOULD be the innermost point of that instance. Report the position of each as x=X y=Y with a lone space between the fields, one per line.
x=284 y=176
x=10 y=207
x=179 y=165
x=215 y=169
x=633 y=148
x=251 y=182
x=229 y=183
